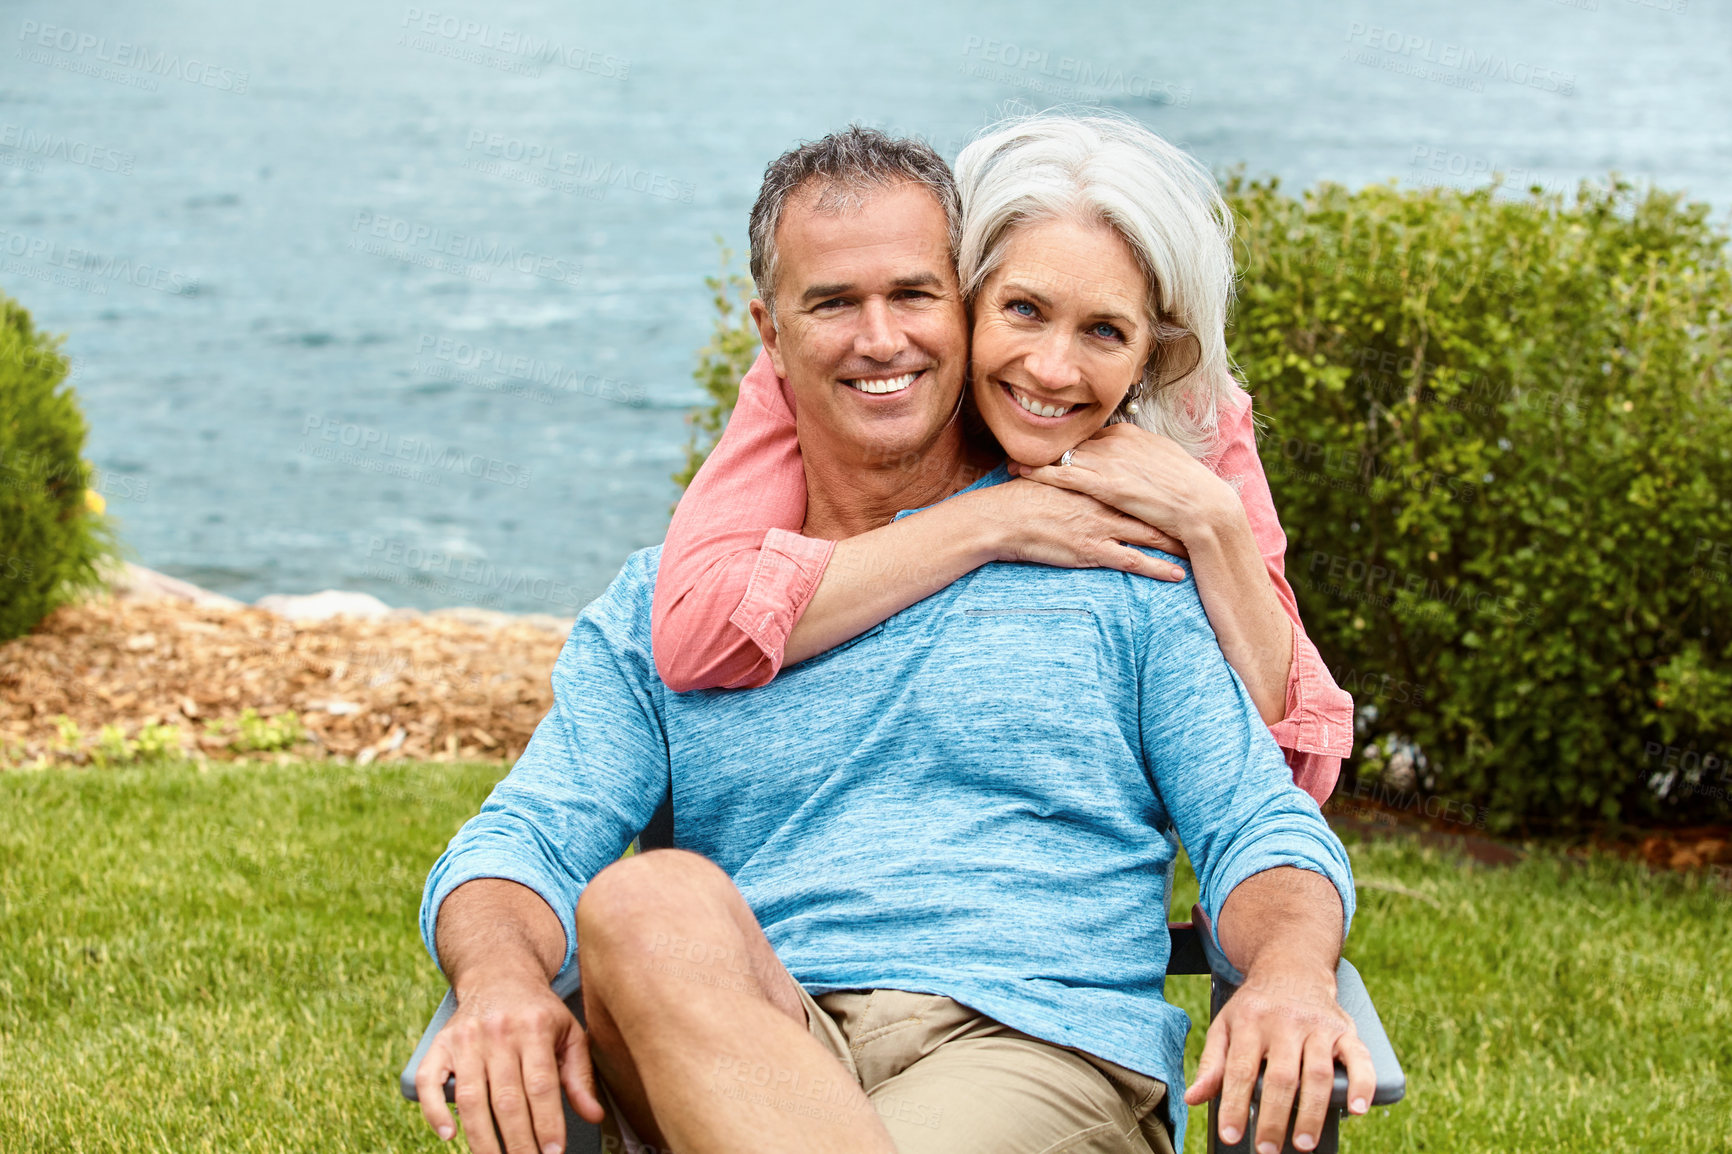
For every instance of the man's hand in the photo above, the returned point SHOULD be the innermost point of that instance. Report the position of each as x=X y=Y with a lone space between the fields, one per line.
x=513 y=1046
x=1286 y=1023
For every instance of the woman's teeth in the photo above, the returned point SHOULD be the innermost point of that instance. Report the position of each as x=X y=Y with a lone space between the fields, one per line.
x=1039 y=409
x=887 y=385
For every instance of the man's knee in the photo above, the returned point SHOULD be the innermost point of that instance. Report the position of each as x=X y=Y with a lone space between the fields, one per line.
x=636 y=903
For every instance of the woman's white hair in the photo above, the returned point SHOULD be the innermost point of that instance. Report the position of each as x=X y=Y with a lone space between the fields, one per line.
x=1161 y=201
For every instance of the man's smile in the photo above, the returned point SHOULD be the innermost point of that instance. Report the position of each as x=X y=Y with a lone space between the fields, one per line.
x=880 y=385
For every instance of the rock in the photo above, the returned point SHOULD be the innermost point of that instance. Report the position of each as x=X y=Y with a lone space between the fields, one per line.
x=472 y=615
x=497 y=619
x=323 y=605
x=131 y=582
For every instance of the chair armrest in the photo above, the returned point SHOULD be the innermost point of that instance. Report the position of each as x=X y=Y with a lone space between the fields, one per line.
x=406 y=1080
x=1350 y=991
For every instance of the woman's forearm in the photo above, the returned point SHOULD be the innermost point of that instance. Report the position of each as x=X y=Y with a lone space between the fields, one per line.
x=873 y=577
x=1255 y=633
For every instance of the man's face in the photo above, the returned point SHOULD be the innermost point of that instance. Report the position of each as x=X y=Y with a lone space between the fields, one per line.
x=870 y=330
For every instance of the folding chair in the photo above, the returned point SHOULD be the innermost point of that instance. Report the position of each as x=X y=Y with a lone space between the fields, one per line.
x=1190 y=955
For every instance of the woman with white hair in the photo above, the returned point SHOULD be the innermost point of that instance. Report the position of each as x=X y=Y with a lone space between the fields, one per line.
x=1096 y=261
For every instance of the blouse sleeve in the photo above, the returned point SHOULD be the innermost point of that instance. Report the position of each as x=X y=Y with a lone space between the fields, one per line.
x=1317 y=730
x=735 y=572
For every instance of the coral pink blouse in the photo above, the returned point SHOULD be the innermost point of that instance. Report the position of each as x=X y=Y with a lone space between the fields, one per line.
x=736 y=574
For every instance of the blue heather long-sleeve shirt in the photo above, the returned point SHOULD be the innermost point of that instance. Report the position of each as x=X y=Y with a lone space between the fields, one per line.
x=971 y=799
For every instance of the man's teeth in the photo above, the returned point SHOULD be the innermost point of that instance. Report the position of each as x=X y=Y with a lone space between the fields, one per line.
x=1039 y=409
x=887 y=385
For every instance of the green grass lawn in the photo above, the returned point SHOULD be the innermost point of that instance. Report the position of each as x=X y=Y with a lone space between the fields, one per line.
x=228 y=961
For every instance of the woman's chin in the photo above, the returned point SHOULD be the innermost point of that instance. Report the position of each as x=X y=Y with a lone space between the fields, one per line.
x=1030 y=451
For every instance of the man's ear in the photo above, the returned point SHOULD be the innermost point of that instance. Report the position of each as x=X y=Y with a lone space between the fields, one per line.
x=772 y=340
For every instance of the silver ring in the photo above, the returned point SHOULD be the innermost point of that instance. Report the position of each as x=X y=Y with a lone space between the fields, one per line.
x=1065 y=460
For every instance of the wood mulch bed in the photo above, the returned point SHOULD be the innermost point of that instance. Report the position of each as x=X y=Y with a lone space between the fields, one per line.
x=442 y=686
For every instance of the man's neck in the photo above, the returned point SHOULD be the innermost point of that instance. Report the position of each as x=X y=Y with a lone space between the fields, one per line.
x=845 y=498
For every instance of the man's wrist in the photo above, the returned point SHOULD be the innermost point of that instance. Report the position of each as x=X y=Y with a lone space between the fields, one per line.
x=1309 y=985
x=496 y=972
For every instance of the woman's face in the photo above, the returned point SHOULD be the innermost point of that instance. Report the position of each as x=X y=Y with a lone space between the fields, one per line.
x=1060 y=336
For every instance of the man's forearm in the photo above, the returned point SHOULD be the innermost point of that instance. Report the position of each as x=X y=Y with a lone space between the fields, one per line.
x=491 y=927
x=1285 y=920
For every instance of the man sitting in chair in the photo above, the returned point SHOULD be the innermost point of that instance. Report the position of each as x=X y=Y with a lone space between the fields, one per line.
x=920 y=901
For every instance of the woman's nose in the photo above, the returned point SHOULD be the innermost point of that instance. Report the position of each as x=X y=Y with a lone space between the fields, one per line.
x=1052 y=364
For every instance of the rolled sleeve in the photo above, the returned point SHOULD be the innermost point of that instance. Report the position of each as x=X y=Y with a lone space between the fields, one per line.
x=783 y=581
x=1317 y=729
x=1272 y=849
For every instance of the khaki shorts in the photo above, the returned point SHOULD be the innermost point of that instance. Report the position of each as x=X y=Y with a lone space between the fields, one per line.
x=945 y=1078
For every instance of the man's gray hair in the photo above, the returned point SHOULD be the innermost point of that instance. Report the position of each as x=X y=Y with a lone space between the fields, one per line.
x=1168 y=210
x=844 y=167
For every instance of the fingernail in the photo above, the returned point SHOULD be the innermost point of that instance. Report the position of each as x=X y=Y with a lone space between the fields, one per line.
x=1304 y=1141
x=1360 y=1106
x=1267 y=1148
x=446 y=1133
x=550 y=1148
x=1229 y=1135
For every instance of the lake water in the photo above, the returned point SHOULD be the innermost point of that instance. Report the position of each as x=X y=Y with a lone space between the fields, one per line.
x=404 y=298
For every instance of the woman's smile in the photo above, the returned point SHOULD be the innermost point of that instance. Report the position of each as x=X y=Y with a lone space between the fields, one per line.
x=1047 y=413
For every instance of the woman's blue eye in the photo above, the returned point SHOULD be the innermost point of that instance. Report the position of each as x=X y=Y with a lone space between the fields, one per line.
x=1107 y=332
x=1018 y=308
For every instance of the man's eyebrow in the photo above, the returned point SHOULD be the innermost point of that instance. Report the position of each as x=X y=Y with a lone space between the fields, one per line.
x=820 y=292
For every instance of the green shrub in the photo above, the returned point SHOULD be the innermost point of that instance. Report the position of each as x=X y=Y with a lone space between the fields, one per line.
x=52 y=536
x=1499 y=434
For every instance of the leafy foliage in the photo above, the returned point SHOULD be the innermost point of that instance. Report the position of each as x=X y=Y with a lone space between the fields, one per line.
x=1499 y=433
x=52 y=535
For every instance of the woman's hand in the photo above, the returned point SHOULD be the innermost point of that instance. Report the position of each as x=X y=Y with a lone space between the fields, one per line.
x=1046 y=525
x=1149 y=478
x=1146 y=476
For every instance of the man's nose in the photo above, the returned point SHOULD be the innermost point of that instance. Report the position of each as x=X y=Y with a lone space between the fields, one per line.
x=1052 y=362
x=879 y=338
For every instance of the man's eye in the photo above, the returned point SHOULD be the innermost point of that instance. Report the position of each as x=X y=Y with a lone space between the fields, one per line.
x=832 y=303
